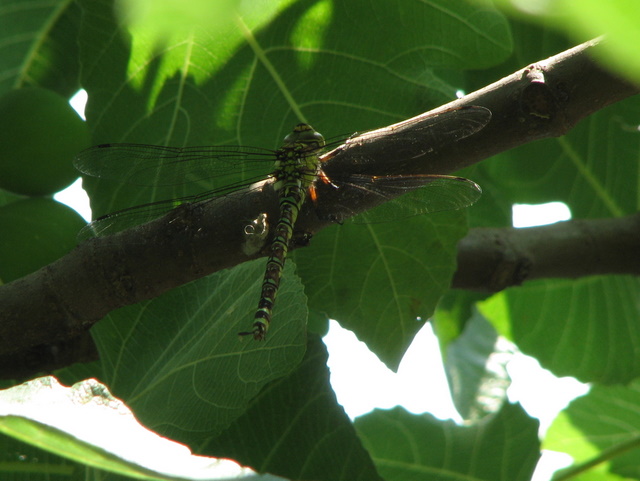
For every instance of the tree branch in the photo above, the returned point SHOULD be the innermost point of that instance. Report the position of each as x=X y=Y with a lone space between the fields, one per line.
x=490 y=260
x=63 y=300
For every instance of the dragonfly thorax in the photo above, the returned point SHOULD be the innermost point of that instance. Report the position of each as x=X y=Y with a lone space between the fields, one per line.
x=297 y=161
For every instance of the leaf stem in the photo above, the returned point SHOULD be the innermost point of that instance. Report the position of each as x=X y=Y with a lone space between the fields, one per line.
x=606 y=455
x=262 y=57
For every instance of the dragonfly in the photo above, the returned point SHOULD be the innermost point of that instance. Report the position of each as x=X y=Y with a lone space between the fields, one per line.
x=296 y=171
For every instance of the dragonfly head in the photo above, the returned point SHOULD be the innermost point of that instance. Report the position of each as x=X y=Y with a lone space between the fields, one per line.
x=303 y=138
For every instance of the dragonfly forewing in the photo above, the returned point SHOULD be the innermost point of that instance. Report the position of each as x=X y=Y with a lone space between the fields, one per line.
x=398 y=196
x=431 y=131
x=115 y=222
x=413 y=139
x=141 y=164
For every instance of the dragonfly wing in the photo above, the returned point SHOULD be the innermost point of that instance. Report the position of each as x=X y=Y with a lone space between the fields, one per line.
x=411 y=139
x=401 y=196
x=123 y=219
x=142 y=164
x=435 y=130
x=231 y=168
x=451 y=125
x=118 y=221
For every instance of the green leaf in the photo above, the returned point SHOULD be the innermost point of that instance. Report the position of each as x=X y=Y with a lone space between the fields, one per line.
x=502 y=446
x=178 y=361
x=588 y=168
x=7 y=197
x=382 y=281
x=585 y=328
x=39 y=40
x=37 y=231
x=476 y=369
x=23 y=461
x=615 y=19
x=600 y=430
x=455 y=310
x=295 y=428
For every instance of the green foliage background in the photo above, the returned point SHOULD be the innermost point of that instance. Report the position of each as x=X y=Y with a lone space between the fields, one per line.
x=206 y=77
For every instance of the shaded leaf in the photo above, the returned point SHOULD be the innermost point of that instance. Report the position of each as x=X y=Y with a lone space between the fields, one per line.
x=39 y=45
x=295 y=428
x=20 y=461
x=177 y=360
x=502 y=446
x=382 y=281
x=588 y=169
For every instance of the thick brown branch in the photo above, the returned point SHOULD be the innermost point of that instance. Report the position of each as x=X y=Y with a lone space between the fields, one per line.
x=490 y=260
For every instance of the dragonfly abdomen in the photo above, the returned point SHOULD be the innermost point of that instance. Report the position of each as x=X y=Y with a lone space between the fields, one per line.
x=290 y=206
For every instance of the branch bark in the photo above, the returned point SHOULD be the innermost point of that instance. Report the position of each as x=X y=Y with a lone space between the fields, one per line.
x=490 y=260
x=59 y=303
